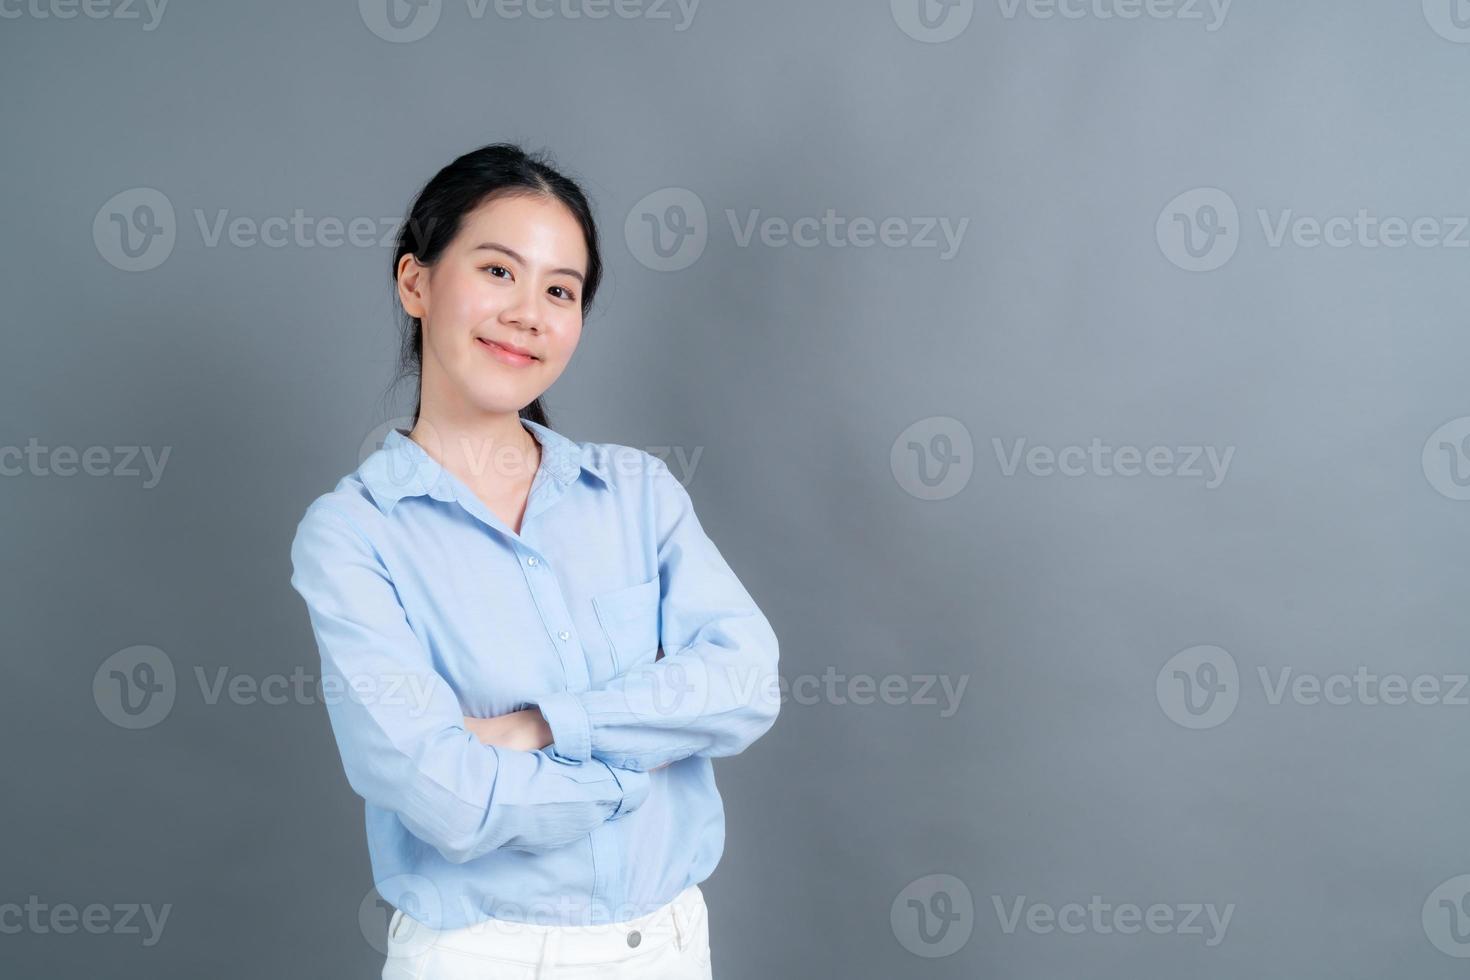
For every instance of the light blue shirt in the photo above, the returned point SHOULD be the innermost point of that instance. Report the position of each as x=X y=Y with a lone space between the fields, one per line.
x=426 y=607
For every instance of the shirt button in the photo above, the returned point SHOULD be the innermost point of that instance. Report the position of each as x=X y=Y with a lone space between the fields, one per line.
x=532 y=561
x=564 y=635
x=634 y=938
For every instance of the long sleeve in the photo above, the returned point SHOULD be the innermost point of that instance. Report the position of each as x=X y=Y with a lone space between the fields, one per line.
x=712 y=694
x=400 y=728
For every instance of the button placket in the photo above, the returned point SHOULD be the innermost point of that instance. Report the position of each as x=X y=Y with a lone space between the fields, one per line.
x=551 y=604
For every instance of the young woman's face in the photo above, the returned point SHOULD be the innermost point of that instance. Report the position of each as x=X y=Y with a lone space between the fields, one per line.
x=511 y=281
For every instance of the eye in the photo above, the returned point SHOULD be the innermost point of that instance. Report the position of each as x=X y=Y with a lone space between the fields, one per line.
x=491 y=269
x=566 y=294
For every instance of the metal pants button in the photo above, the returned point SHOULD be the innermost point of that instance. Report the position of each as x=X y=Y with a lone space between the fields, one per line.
x=634 y=938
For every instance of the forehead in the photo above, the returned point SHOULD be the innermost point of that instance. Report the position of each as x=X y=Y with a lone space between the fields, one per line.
x=541 y=229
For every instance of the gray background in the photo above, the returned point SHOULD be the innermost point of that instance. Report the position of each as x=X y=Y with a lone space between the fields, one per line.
x=1332 y=829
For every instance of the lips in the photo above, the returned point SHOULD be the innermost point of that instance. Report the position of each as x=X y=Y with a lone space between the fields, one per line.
x=512 y=348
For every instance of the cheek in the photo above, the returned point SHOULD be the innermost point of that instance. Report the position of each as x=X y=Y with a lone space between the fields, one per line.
x=469 y=301
x=460 y=300
x=568 y=335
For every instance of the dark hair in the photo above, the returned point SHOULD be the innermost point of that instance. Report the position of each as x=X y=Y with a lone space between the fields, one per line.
x=496 y=170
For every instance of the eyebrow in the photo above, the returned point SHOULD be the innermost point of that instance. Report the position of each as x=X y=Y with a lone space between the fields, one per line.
x=515 y=255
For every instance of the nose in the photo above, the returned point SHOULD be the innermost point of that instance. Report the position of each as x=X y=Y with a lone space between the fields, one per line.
x=523 y=309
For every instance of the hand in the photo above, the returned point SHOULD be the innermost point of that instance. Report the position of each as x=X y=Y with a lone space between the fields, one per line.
x=525 y=730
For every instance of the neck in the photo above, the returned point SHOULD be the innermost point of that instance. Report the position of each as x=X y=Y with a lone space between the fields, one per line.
x=482 y=449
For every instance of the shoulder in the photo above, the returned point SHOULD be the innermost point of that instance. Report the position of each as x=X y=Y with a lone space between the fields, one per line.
x=345 y=515
x=628 y=469
x=642 y=484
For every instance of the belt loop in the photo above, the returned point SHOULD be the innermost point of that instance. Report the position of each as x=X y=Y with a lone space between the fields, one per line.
x=544 y=962
x=681 y=926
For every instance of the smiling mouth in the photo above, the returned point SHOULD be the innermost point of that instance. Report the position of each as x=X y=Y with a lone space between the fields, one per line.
x=506 y=351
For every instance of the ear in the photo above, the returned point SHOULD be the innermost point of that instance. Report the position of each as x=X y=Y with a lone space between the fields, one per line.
x=413 y=286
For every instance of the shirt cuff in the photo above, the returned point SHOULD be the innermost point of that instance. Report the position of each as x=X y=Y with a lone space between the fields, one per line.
x=635 y=789
x=571 y=732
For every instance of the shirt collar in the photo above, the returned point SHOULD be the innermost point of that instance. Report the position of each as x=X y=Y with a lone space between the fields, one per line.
x=403 y=469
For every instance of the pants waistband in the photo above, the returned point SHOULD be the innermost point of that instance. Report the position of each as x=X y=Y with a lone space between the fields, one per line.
x=533 y=943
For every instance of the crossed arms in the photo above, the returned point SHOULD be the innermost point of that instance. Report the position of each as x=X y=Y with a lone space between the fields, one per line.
x=549 y=774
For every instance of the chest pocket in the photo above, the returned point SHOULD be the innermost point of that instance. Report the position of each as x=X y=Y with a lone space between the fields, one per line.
x=629 y=618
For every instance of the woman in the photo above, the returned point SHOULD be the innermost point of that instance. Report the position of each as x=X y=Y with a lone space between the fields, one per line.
x=495 y=601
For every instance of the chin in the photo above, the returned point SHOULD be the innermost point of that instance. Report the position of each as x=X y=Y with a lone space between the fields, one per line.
x=499 y=405
x=497 y=398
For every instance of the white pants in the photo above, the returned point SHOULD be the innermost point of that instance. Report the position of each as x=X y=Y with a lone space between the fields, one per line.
x=671 y=943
